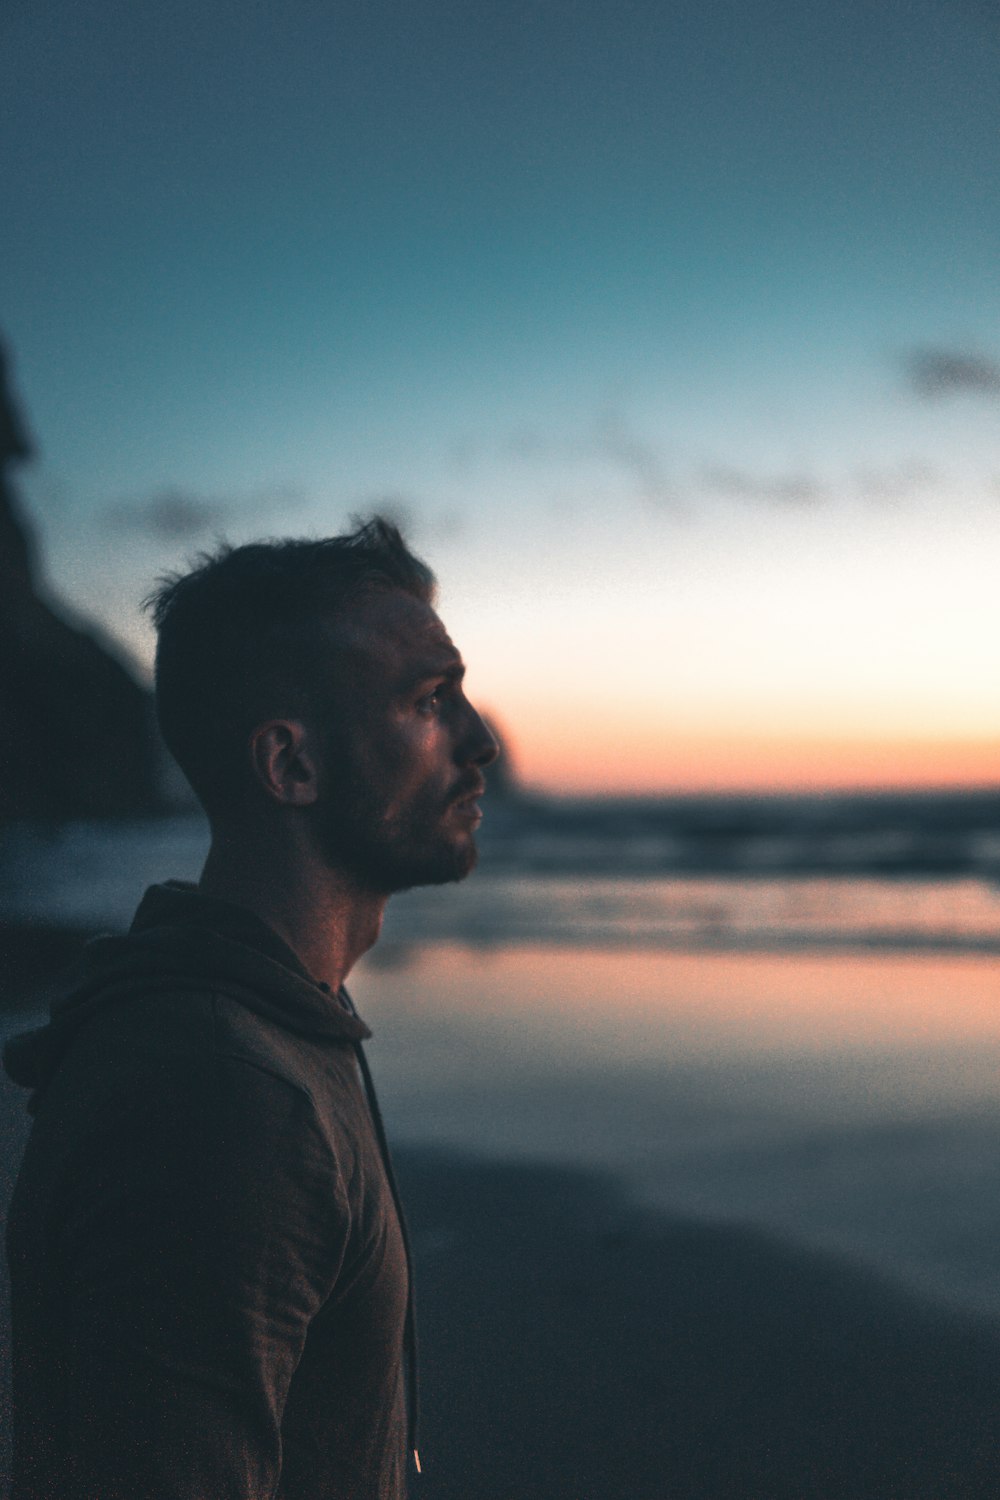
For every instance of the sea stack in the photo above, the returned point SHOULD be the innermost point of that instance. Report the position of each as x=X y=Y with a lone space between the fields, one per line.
x=77 y=732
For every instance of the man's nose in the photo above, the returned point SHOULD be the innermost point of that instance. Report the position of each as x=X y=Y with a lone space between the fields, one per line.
x=483 y=747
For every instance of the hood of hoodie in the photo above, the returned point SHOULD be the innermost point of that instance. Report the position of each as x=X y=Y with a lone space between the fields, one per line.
x=180 y=938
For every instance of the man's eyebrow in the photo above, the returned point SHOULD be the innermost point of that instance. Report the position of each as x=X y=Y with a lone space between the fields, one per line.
x=448 y=670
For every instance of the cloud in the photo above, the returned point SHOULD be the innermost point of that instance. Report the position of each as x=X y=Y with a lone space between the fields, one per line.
x=529 y=445
x=607 y=438
x=169 y=515
x=898 y=482
x=777 y=489
x=178 y=515
x=635 y=458
x=933 y=373
x=392 y=505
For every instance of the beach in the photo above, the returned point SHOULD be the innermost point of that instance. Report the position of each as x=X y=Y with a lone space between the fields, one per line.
x=578 y=1349
x=702 y=1205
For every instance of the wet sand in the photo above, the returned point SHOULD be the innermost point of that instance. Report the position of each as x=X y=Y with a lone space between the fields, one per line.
x=577 y=1348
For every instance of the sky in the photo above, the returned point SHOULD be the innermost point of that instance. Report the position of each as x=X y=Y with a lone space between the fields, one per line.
x=670 y=328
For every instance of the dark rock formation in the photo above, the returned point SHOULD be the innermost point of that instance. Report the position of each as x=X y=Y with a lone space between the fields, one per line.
x=77 y=735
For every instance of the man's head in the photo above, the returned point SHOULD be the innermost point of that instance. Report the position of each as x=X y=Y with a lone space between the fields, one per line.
x=315 y=676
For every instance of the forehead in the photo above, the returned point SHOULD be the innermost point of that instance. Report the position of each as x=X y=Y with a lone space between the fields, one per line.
x=390 y=635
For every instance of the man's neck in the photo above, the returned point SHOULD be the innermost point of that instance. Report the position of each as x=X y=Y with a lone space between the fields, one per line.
x=322 y=915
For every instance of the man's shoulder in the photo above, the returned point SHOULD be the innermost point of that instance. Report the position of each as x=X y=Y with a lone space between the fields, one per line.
x=184 y=1066
x=152 y=1033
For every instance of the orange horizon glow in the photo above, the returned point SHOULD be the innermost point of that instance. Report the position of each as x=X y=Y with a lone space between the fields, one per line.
x=635 y=765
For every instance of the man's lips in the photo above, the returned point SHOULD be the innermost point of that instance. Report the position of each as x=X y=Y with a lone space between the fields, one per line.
x=468 y=791
x=466 y=798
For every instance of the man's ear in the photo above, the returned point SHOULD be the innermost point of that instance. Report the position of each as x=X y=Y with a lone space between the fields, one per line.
x=282 y=761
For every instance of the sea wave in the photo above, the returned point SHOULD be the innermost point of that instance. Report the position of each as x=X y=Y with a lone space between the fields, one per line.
x=537 y=887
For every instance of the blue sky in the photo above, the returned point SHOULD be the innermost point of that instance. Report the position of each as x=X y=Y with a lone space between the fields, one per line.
x=672 y=329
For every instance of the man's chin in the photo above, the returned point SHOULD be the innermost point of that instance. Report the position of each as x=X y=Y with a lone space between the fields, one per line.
x=442 y=868
x=389 y=871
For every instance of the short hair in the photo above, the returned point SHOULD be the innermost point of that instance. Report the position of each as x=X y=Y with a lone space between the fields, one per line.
x=243 y=637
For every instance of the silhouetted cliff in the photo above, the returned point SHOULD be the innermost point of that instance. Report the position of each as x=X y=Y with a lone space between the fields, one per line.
x=77 y=736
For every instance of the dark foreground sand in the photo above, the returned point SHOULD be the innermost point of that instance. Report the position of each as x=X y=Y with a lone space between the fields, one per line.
x=575 y=1347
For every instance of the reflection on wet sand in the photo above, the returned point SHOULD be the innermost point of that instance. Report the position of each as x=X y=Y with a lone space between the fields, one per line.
x=848 y=1102
x=628 y=1006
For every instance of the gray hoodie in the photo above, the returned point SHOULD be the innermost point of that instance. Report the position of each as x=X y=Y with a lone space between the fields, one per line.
x=209 y=1274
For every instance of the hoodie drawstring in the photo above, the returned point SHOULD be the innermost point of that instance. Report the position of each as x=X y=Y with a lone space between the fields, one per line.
x=410 y=1327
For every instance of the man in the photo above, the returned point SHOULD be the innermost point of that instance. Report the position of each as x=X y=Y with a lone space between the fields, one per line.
x=210 y=1281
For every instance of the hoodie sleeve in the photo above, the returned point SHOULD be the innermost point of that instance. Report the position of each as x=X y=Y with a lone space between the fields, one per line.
x=200 y=1239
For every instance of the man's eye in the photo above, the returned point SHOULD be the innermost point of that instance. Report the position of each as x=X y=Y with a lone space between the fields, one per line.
x=430 y=701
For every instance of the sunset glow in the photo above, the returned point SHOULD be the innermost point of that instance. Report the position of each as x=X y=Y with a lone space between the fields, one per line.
x=674 y=343
x=635 y=763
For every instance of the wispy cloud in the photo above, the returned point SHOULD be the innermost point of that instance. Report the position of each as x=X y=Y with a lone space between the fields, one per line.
x=638 y=459
x=180 y=515
x=169 y=515
x=934 y=372
x=393 y=505
x=529 y=445
x=608 y=438
x=773 y=489
x=897 y=482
